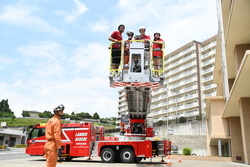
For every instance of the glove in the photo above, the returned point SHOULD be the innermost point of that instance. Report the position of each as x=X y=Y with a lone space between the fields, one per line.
x=59 y=151
x=59 y=155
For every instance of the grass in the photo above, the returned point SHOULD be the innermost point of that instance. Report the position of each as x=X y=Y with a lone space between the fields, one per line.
x=23 y=121
x=33 y=121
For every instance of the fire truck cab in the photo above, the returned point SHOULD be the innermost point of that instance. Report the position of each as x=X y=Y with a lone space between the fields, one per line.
x=86 y=140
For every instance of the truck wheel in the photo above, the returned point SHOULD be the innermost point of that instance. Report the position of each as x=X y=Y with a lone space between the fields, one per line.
x=107 y=155
x=68 y=158
x=127 y=155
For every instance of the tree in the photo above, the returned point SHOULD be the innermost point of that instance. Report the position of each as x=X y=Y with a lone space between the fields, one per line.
x=5 y=111
x=160 y=123
x=82 y=115
x=4 y=106
x=45 y=114
x=25 y=113
x=182 y=120
x=96 y=116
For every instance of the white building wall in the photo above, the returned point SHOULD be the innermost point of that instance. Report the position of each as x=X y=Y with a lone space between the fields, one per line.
x=188 y=81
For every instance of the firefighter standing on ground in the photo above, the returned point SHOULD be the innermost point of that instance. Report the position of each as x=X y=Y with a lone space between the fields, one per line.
x=53 y=136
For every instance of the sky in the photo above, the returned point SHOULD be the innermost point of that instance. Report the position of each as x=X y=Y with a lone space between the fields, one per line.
x=56 y=51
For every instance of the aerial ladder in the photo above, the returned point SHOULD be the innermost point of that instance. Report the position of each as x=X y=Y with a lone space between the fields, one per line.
x=138 y=77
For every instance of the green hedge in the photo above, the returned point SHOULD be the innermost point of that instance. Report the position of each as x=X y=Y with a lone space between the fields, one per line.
x=2 y=147
x=186 y=151
x=20 y=146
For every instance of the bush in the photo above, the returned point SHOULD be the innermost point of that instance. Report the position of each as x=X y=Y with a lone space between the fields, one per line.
x=20 y=146
x=160 y=123
x=182 y=120
x=2 y=147
x=186 y=151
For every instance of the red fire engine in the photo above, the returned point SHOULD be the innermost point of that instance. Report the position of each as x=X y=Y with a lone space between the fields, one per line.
x=86 y=140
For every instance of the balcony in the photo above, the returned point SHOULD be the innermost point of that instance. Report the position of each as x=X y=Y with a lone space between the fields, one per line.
x=182 y=75
x=208 y=87
x=210 y=94
x=181 y=68
x=188 y=50
x=208 y=54
x=208 y=70
x=192 y=114
x=191 y=105
x=211 y=45
x=210 y=61
x=208 y=78
x=181 y=61
x=159 y=91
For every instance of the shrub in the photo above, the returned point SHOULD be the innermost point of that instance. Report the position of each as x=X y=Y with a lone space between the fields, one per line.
x=186 y=151
x=160 y=123
x=182 y=120
x=2 y=147
x=20 y=146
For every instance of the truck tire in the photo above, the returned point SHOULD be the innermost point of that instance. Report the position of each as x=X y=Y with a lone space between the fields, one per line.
x=108 y=155
x=68 y=158
x=127 y=155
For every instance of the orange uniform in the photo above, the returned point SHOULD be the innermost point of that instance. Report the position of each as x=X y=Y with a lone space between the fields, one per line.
x=53 y=136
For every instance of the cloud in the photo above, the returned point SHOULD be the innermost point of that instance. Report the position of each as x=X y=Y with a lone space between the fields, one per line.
x=74 y=71
x=75 y=77
x=100 y=26
x=6 y=61
x=69 y=17
x=178 y=21
x=42 y=49
x=24 y=16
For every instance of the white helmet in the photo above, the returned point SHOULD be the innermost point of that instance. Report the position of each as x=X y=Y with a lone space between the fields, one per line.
x=59 y=108
x=142 y=27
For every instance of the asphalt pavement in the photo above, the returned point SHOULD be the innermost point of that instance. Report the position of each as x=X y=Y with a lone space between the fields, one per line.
x=16 y=157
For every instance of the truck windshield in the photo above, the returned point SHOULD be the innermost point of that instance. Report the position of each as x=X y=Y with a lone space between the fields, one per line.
x=36 y=132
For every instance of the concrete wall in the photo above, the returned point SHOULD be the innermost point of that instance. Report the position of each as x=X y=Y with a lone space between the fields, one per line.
x=191 y=134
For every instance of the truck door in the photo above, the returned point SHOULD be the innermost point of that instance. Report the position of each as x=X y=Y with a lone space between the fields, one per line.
x=36 y=141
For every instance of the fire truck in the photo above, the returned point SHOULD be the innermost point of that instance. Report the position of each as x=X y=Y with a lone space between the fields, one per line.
x=87 y=140
x=138 y=77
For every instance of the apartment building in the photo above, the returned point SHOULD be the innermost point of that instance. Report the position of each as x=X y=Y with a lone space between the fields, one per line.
x=188 y=81
x=228 y=116
x=122 y=105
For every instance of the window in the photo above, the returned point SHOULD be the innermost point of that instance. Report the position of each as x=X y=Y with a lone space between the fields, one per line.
x=36 y=133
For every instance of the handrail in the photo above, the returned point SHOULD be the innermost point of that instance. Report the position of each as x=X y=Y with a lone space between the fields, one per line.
x=113 y=71
x=163 y=52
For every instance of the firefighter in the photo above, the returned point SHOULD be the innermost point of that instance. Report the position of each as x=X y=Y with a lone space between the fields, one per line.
x=116 y=37
x=157 y=52
x=122 y=130
x=53 y=135
x=146 y=39
x=130 y=35
x=143 y=36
